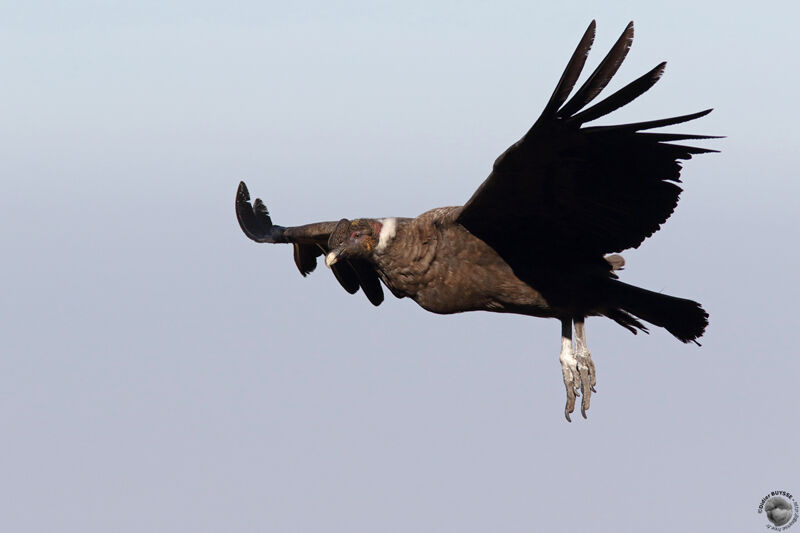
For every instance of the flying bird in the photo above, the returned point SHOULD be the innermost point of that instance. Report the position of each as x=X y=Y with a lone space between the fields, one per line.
x=534 y=237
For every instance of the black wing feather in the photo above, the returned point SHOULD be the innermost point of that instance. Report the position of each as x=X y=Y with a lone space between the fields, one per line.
x=254 y=220
x=624 y=96
x=571 y=73
x=650 y=124
x=305 y=257
x=368 y=280
x=602 y=74
x=346 y=276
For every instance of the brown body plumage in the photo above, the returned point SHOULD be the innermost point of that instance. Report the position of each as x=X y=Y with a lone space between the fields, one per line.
x=446 y=269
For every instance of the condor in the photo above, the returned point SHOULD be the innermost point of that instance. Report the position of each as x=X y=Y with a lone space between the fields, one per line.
x=533 y=238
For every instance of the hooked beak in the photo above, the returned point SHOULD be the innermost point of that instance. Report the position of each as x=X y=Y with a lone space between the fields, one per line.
x=331 y=258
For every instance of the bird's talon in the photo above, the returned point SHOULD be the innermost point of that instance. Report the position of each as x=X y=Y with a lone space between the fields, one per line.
x=585 y=371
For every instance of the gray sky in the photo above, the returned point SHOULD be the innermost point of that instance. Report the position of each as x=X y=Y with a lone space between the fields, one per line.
x=160 y=372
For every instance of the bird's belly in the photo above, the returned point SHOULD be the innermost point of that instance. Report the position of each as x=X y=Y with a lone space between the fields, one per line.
x=453 y=271
x=475 y=287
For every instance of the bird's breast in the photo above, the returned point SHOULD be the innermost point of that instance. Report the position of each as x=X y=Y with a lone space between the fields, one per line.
x=452 y=271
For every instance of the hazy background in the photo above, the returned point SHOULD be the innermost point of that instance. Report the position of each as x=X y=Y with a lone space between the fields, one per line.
x=160 y=372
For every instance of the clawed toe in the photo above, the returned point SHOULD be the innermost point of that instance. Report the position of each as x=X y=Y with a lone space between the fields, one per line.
x=586 y=373
x=571 y=382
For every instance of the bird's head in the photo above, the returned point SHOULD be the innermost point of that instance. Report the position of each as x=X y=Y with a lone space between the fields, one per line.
x=353 y=239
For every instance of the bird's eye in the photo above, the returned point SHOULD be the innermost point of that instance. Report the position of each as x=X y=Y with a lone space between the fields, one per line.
x=355 y=235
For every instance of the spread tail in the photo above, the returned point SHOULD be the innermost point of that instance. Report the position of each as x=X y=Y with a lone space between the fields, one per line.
x=685 y=319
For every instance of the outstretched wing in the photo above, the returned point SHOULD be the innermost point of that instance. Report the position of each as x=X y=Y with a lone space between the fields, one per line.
x=309 y=241
x=583 y=191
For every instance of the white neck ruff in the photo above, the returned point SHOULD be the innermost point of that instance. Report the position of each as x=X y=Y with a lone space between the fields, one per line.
x=388 y=231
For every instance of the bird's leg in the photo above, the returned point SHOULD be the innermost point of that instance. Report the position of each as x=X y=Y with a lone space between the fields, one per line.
x=585 y=367
x=569 y=367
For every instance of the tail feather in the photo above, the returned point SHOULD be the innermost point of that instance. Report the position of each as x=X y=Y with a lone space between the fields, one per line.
x=685 y=319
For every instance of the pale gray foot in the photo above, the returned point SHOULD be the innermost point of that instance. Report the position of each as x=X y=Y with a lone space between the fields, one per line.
x=569 y=367
x=585 y=366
